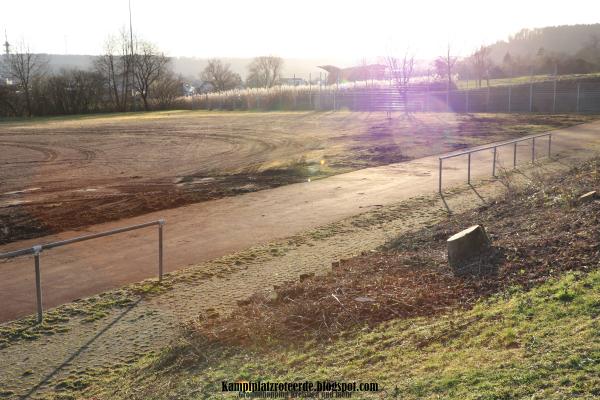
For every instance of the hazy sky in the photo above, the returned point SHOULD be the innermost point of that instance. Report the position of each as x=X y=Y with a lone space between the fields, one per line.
x=304 y=29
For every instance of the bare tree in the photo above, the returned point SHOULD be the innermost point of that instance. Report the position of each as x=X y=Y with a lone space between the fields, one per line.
x=116 y=66
x=444 y=66
x=166 y=89
x=73 y=91
x=149 y=66
x=25 y=68
x=8 y=100
x=481 y=64
x=264 y=71
x=220 y=75
x=401 y=70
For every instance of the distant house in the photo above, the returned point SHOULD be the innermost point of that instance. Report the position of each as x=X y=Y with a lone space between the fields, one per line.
x=4 y=77
x=352 y=74
x=205 y=87
x=188 y=90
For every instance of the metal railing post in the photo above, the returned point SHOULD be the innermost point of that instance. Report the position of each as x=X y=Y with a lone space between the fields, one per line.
x=533 y=150
x=494 y=164
x=161 y=223
x=38 y=283
x=440 y=176
x=37 y=250
x=469 y=170
x=515 y=156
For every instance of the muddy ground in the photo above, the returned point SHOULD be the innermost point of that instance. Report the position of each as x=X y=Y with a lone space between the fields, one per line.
x=60 y=174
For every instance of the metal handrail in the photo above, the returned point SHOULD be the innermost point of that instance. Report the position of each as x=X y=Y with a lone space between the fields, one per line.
x=37 y=249
x=495 y=147
x=491 y=146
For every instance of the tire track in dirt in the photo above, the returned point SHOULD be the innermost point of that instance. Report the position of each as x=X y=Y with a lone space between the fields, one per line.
x=109 y=154
x=49 y=155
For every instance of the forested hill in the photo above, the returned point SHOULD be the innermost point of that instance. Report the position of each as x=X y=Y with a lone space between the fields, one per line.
x=565 y=39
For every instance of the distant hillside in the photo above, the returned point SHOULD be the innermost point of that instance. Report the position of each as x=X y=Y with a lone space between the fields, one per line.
x=190 y=67
x=566 y=39
x=57 y=62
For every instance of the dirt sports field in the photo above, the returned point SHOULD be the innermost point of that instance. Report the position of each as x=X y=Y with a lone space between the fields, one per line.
x=65 y=173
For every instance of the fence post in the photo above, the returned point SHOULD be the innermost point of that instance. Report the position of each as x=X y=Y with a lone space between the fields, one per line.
x=550 y=146
x=440 y=178
x=334 y=105
x=469 y=169
x=531 y=97
x=295 y=94
x=320 y=89
x=161 y=223
x=577 y=106
x=310 y=91
x=509 y=93
x=38 y=282
x=515 y=156
x=554 y=97
x=280 y=98
x=494 y=164
x=533 y=151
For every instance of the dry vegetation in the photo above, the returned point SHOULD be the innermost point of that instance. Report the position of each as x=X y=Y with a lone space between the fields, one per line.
x=411 y=278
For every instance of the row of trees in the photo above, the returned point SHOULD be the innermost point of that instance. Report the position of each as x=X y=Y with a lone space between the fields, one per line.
x=480 y=67
x=134 y=74
x=131 y=74
x=263 y=72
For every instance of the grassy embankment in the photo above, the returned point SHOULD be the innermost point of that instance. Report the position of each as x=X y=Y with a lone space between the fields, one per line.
x=529 y=327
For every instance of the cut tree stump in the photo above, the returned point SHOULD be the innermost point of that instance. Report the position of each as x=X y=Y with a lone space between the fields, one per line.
x=464 y=246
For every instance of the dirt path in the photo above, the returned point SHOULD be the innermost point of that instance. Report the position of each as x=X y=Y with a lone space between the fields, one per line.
x=32 y=368
x=204 y=231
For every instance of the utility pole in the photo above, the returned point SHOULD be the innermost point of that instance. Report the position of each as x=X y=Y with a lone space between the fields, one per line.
x=131 y=61
x=6 y=44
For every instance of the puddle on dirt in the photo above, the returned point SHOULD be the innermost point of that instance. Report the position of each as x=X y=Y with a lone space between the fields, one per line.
x=12 y=203
x=187 y=180
x=21 y=191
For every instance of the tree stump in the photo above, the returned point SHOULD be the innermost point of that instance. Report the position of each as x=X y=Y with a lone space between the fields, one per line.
x=466 y=245
x=589 y=196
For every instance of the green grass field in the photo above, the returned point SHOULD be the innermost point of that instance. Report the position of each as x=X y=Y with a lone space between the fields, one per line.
x=521 y=80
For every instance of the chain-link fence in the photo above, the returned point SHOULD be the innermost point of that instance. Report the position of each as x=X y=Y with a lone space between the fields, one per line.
x=542 y=97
